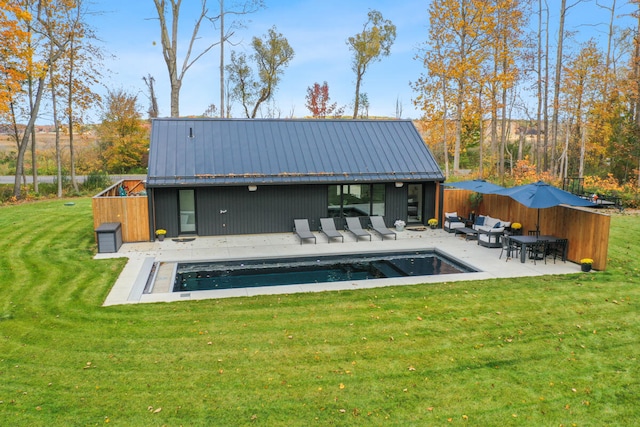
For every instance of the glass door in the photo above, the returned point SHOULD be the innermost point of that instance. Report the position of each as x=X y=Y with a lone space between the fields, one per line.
x=187 y=202
x=414 y=203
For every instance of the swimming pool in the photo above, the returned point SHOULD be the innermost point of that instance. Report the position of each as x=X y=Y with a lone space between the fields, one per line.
x=197 y=276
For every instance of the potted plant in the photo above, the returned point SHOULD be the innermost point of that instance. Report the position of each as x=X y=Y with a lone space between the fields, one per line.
x=586 y=264
x=474 y=200
x=516 y=228
x=160 y=233
x=433 y=223
x=399 y=224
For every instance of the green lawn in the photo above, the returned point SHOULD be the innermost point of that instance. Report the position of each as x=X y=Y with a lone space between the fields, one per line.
x=544 y=351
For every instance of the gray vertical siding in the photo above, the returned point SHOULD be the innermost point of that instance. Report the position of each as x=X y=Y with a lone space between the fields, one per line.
x=395 y=203
x=429 y=201
x=166 y=210
x=270 y=209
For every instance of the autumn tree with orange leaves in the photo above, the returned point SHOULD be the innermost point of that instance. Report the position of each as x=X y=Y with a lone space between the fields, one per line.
x=14 y=52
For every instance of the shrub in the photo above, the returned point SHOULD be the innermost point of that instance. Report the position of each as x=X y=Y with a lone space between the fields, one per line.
x=96 y=180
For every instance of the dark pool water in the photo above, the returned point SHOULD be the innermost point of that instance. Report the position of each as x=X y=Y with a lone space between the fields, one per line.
x=291 y=271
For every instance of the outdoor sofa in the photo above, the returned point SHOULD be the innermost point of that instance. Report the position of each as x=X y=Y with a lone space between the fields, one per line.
x=490 y=230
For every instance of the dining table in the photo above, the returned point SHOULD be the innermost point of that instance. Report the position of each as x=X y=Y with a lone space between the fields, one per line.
x=524 y=241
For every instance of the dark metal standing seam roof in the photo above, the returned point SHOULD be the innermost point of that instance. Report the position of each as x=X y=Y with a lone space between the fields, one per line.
x=271 y=151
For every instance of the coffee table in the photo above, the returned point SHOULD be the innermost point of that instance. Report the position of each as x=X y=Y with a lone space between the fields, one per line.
x=470 y=233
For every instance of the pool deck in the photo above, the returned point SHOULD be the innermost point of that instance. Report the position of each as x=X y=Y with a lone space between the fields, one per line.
x=129 y=286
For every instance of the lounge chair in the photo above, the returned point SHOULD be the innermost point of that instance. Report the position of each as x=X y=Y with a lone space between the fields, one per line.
x=328 y=227
x=354 y=227
x=301 y=228
x=378 y=225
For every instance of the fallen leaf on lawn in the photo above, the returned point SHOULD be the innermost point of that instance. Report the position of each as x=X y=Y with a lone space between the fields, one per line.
x=411 y=368
x=157 y=410
x=341 y=386
x=419 y=318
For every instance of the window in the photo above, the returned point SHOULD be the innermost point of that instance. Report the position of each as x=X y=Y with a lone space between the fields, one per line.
x=356 y=200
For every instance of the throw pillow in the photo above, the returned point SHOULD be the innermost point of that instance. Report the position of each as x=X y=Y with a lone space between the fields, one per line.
x=479 y=220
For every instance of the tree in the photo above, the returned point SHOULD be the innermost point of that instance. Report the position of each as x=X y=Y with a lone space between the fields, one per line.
x=453 y=56
x=169 y=41
x=249 y=6
x=122 y=137
x=153 y=110
x=48 y=21
x=318 y=102
x=271 y=55
x=14 y=51
x=79 y=72
x=503 y=24
x=370 y=45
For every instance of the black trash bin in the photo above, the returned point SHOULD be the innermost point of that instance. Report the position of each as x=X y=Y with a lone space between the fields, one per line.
x=109 y=237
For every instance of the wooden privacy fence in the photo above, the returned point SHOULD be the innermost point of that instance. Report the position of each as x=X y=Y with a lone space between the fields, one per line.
x=131 y=210
x=586 y=229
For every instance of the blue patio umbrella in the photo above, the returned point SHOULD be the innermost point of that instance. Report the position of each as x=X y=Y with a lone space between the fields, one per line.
x=541 y=195
x=477 y=185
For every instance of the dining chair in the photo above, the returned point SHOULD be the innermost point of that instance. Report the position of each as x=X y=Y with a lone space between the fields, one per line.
x=558 y=249
x=538 y=251
x=534 y=233
x=509 y=247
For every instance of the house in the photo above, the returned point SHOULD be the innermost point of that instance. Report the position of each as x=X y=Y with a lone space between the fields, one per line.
x=243 y=176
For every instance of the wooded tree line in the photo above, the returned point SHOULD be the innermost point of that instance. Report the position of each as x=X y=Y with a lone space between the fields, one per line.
x=51 y=57
x=577 y=104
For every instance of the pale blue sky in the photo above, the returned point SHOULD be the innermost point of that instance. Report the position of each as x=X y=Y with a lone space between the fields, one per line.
x=316 y=29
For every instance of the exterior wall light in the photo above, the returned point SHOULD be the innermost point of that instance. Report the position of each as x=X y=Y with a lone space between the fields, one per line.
x=399 y=184
x=253 y=187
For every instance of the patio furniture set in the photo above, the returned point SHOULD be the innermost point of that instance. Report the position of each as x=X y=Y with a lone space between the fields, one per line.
x=485 y=229
x=353 y=226
x=494 y=233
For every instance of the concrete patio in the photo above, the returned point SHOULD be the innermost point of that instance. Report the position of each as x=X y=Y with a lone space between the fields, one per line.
x=135 y=276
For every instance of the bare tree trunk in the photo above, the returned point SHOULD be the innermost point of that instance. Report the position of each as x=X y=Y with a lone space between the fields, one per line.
x=480 y=148
x=556 y=84
x=24 y=143
x=546 y=94
x=636 y=76
x=609 y=43
x=458 y=140
x=536 y=149
x=72 y=151
x=583 y=141
x=222 y=58
x=54 y=110
x=444 y=130
x=356 y=103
